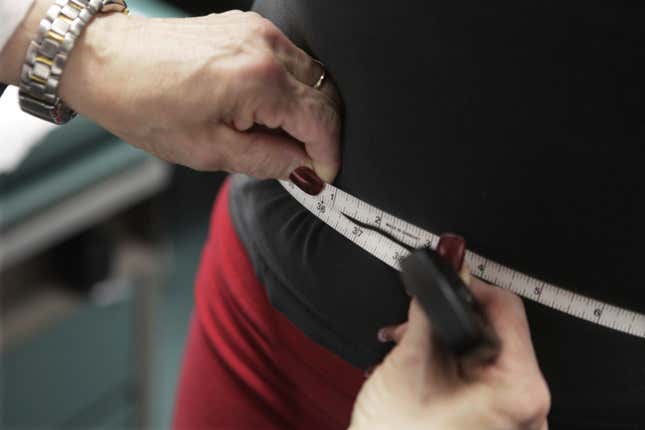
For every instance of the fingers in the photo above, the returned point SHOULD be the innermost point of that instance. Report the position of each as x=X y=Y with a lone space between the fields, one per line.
x=393 y=333
x=260 y=153
x=465 y=275
x=516 y=364
x=309 y=71
x=504 y=309
x=506 y=314
x=315 y=121
x=420 y=354
x=277 y=100
x=418 y=331
x=272 y=86
x=303 y=67
x=310 y=117
x=313 y=117
x=296 y=61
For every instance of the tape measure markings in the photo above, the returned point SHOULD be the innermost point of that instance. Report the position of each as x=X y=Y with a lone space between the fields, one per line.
x=335 y=207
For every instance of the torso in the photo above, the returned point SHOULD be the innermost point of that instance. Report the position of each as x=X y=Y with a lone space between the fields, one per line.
x=518 y=126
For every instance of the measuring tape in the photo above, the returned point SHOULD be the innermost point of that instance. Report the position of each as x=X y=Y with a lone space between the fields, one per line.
x=358 y=221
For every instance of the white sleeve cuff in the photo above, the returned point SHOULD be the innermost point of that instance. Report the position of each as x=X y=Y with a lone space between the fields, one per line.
x=12 y=12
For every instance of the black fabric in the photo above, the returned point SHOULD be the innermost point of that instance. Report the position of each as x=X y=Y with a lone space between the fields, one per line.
x=2 y=88
x=518 y=125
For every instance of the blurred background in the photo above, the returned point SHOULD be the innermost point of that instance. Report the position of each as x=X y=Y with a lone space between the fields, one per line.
x=99 y=245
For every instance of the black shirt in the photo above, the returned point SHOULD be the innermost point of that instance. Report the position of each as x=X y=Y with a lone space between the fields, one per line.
x=518 y=125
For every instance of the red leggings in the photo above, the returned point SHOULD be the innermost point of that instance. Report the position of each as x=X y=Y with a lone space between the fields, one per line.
x=246 y=366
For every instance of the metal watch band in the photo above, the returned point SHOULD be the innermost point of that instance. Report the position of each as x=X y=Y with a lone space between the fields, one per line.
x=47 y=54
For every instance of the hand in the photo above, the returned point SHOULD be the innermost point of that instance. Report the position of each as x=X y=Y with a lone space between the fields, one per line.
x=419 y=387
x=223 y=92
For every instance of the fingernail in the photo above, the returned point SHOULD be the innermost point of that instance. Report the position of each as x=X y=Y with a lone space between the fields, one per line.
x=452 y=249
x=307 y=180
x=382 y=336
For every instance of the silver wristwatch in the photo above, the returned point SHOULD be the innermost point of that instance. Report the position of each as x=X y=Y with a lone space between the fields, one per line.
x=47 y=54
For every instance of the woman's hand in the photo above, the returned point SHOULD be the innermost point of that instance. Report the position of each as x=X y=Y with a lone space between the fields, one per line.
x=192 y=91
x=419 y=387
x=222 y=92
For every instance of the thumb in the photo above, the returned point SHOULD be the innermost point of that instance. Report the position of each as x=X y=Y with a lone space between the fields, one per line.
x=418 y=331
x=263 y=153
x=419 y=356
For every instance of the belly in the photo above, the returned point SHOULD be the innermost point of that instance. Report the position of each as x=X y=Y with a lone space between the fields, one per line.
x=519 y=127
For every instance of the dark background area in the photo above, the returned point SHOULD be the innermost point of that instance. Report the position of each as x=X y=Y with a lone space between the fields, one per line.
x=204 y=7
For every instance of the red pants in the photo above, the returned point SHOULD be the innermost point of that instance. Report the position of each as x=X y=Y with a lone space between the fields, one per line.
x=246 y=366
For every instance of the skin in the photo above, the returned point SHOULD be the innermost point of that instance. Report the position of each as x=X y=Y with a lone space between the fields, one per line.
x=419 y=387
x=222 y=92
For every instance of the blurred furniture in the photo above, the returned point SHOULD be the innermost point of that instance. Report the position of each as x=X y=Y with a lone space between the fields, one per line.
x=79 y=265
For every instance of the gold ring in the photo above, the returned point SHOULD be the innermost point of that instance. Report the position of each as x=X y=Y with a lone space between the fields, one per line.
x=321 y=79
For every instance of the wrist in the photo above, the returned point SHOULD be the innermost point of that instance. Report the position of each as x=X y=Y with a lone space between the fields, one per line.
x=91 y=55
x=13 y=54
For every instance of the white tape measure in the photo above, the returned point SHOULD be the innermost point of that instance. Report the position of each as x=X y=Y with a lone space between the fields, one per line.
x=357 y=221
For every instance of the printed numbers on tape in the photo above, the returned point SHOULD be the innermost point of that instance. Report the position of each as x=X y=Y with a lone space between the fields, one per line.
x=362 y=224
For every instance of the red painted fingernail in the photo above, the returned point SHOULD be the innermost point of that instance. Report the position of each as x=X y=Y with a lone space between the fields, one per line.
x=307 y=180
x=452 y=249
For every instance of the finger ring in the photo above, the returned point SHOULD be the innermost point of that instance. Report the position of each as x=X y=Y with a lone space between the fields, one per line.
x=321 y=79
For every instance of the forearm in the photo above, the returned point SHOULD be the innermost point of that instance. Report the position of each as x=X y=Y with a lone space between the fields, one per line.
x=13 y=54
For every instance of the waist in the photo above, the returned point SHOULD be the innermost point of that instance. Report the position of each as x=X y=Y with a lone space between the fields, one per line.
x=340 y=296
